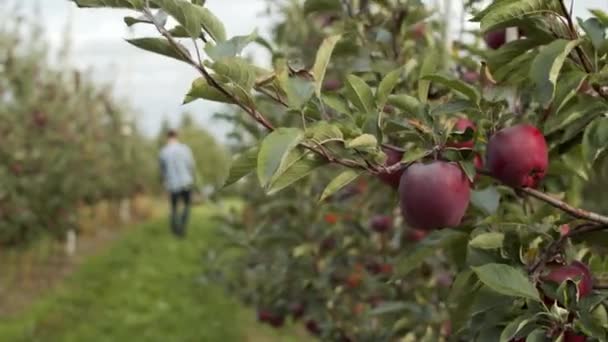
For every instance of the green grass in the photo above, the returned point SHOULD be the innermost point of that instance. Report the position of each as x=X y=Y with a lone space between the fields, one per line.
x=146 y=287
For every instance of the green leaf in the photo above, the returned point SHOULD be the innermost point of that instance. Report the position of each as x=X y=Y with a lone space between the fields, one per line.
x=364 y=141
x=566 y=90
x=486 y=200
x=505 y=11
x=298 y=165
x=229 y=48
x=469 y=169
x=338 y=183
x=386 y=87
x=461 y=298
x=413 y=154
x=595 y=30
x=511 y=50
x=600 y=15
x=428 y=67
x=428 y=247
x=595 y=139
x=360 y=94
x=161 y=46
x=185 y=13
x=202 y=90
x=406 y=103
x=515 y=327
x=336 y=102
x=274 y=150
x=237 y=70
x=322 y=61
x=130 y=4
x=212 y=24
x=391 y=308
x=487 y=241
x=242 y=165
x=456 y=85
x=130 y=21
x=546 y=67
x=299 y=90
x=537 y=335
x=179 y=32
x=571 y=113
x=592 y=324
x=454 y=106
x=311 y=6
x=323 y=131
x=506 y=280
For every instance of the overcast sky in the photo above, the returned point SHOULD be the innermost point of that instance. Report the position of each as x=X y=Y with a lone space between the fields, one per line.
x=155 y=85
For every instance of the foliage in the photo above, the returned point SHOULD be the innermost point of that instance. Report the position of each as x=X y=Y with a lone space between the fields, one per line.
x=381 y=84
x=65 y=141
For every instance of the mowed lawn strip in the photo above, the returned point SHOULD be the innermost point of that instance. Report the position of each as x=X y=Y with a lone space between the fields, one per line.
x=146 y=287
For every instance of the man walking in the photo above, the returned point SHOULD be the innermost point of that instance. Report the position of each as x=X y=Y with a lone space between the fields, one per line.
x=178 y=170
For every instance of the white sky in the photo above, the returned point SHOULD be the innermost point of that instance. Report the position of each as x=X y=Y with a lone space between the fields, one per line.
x=155 y=85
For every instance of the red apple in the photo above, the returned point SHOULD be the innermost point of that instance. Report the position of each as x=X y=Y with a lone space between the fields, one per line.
x=264 y=315
x=419 y=30
x=495 y=39
x=470 y=77
x=434 y=195
x=576 y=271
x=331 y=218
x=478 y=162
x=332 y=84
x=393 y=178
x=313 y=327
x=277 y=320
x=518 y=156
x=327 y=244
x=570 y=336
x=461 y=126
x=354 y=280
x=381 y=223
x=415 y=235
x=297 y=310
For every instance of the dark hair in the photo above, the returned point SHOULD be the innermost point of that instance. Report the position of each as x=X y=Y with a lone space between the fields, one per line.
x=172 y=133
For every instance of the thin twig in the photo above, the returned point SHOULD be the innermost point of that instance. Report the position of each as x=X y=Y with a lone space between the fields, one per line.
x=556 y=246
x=256 y=115
x=581 y=53
x=573 y=211
x=271 y=96
x=556 y=203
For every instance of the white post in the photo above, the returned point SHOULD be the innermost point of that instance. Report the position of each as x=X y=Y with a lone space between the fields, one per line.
x=125 y=210
x=70 y=243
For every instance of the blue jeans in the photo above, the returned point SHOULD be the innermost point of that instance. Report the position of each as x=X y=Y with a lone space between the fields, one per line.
x=179 y=220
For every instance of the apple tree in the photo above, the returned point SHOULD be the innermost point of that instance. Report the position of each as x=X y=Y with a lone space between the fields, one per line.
x=491 y=155
x=62 y=136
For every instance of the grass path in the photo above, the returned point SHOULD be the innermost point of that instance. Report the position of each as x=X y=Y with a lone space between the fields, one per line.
x=145 y=287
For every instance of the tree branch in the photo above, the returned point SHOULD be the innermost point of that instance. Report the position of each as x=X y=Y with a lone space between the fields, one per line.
x=581 y=54
x=556 y=203
x=255 y=114
x=556 y=246
x=573 y=211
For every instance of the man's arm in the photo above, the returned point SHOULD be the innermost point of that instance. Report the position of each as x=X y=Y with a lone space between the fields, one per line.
x=192 y=165
x=162 y=168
